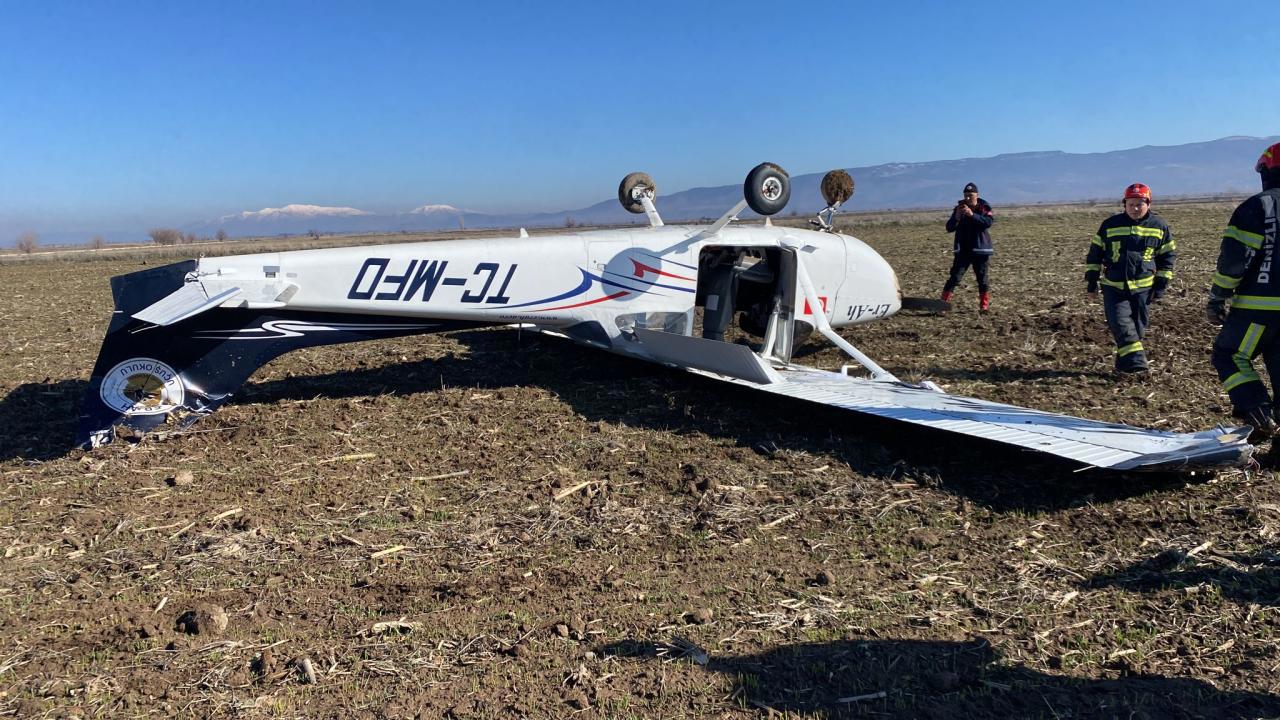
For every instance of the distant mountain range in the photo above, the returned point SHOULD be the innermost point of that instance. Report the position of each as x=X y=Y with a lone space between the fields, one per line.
x=1208 y=168
x=1217 y=167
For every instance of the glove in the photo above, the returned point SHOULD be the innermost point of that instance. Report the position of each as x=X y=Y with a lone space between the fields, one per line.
x=1158 y=288
x=1216 y=311
x=1092 y=289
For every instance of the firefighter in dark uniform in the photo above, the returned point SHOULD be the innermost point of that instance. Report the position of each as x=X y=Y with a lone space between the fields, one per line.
x=970 y=221
x=1132 y=258
x=1248 y=275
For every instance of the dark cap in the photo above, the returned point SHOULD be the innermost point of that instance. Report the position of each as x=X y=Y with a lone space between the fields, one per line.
x=971 y=188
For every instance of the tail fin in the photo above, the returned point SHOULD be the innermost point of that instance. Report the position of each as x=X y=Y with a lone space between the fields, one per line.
x=148 y=375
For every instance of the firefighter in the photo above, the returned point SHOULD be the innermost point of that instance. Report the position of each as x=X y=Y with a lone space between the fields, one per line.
x=1247 y=275
x=1132 y=258
x=969 y=221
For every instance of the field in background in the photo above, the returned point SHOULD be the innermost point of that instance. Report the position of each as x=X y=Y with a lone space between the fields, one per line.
x=214 y=248
x=484 y=524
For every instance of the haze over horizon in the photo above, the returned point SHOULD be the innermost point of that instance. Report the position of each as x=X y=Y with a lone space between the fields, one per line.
x=150 y=115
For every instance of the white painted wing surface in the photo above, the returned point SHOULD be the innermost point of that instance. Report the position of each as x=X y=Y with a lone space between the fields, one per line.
x=188 y=300
x=1099 y=444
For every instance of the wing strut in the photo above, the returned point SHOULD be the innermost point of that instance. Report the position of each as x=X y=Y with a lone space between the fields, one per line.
x=650 y=210
x=824 y=326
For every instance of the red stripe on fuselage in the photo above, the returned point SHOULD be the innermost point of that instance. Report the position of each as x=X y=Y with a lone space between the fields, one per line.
x=589 y=302
x=641 y=268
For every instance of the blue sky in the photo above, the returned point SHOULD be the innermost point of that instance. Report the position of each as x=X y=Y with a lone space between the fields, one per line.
x=123 y=115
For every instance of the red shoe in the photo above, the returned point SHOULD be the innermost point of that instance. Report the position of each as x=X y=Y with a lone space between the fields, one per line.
x=984 y=301
x=946 y=296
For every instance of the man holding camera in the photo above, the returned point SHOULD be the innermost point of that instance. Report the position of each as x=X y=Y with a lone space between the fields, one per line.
x=1132 y=258
x=1247 y=273
x=970 y=221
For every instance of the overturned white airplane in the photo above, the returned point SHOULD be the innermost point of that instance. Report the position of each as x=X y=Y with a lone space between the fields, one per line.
x=185 y=337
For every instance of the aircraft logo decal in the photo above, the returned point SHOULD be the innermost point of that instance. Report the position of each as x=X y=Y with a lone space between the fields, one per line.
x=142 y=386
x=626 y=284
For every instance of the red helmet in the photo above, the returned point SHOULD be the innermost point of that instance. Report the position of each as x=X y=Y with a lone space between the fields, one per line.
x=1138 y=190
x=1270 y=160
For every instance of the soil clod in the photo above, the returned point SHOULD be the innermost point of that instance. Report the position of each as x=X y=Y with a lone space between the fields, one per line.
x=203 y=619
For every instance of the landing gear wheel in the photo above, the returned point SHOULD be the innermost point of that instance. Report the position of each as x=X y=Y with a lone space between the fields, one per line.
x=627 y=191
x=837 y=187
x=767 y=189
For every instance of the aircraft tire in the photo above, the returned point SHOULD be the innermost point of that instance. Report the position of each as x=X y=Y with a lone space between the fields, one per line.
x=837 y=187
x=767 y=189
x=628 y=185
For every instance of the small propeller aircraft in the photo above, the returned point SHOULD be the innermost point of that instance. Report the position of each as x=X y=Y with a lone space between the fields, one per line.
x=186 y=336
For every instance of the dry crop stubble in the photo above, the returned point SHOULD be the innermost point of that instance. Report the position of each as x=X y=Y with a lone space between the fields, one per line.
x=486 y=525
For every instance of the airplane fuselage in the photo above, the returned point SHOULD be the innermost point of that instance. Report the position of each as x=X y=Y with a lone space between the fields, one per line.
x=614 y=278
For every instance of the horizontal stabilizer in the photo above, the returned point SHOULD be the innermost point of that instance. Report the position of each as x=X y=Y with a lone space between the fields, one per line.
x=170 y=363
x=188 y=300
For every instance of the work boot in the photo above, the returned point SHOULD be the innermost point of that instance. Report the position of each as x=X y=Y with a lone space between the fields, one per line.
x=1269 y=460
x=1263 y=421
x=1132 y=364
x=984 y=301
x=946 y=296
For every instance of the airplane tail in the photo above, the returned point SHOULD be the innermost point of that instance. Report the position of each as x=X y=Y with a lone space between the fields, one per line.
x=150 y=375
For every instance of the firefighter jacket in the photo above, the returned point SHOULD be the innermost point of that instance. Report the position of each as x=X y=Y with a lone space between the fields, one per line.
x=971 y=231
x=1131 y=256
x=1246 y=262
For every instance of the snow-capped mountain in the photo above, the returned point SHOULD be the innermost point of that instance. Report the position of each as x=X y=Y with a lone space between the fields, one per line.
x=437 y=210
x=295 y=211
x=1218 y=166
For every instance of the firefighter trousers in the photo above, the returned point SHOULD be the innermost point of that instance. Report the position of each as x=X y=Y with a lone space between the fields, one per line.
x=1241 y=340
x=1127 y=317
x=961 y=263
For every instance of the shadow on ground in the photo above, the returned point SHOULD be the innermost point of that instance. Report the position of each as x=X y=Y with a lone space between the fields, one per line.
x=41 y=419
x=38 y=420
x=1240 y=578
x=604 y=387
x=1004 y=374
x=934 y=679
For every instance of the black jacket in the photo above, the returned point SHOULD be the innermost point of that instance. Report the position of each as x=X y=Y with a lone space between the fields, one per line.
x=971 y=232
x=1246 y=262
x=1131 y=256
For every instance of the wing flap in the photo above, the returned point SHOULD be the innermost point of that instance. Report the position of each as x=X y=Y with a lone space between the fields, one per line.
x=728 y=359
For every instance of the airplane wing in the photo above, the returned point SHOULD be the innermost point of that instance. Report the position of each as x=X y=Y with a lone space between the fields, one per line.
x=1090 y=442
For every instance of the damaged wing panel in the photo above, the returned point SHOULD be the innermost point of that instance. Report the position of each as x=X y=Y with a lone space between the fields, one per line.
x=1090 y=442
x=166 y=361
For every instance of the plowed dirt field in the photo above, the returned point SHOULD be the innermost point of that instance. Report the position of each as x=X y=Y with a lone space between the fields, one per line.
x=489 y=525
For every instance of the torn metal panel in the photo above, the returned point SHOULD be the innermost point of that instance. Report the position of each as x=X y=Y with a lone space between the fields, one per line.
x=1089 y=442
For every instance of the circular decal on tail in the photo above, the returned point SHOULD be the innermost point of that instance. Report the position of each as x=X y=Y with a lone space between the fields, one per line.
x=142 y=386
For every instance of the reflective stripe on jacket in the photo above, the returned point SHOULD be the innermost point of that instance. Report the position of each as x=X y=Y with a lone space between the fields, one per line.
x=1129 y=255
x=1245 y=261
